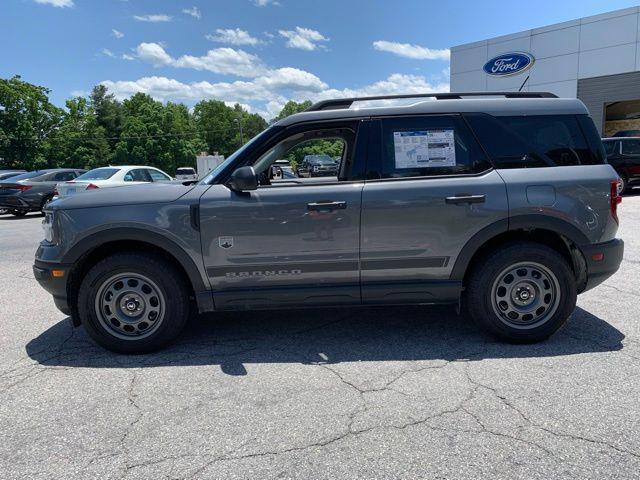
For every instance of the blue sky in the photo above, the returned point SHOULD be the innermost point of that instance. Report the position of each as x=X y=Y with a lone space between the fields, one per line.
x=256 y=52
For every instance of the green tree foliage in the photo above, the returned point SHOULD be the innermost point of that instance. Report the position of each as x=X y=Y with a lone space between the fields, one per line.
x=27 y=119
x=290 y=108
x=219 y=125
x=100 y=130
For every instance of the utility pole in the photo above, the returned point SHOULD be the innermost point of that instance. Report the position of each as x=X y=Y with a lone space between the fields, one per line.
x=239 y=122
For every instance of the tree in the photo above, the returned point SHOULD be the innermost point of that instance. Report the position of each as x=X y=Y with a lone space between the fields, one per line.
x=108 y=112
x=217 y=125
x=290 y=108
x=27 y=119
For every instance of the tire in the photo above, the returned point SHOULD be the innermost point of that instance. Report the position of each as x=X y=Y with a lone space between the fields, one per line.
x=19 y=213
x=529 y=306
x=625 y=185
x=117 y=308
x=44 y=203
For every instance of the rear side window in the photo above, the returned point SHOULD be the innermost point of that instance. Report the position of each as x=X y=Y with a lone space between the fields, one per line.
x=428 y=146
x=158 y=176
x=63 y=176
x=535 y=141
x=631 y=147
x=137 y=175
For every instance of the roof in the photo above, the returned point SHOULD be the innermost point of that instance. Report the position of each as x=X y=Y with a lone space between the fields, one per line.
x=486 y=104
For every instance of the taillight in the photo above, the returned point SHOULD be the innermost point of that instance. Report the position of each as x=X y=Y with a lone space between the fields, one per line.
x=616 y=199
x=24 y=188
x=55 y=190
x=91 y=186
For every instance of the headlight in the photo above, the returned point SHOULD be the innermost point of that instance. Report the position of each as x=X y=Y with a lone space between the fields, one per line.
x=48 y=224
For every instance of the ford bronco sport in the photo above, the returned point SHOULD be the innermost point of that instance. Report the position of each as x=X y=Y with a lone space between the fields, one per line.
x=501 y=203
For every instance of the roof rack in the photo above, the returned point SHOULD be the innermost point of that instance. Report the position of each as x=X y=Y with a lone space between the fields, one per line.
x=344 y=103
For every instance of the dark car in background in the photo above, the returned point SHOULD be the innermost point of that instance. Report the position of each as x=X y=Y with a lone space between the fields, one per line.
x=623 y=154
x=33 y=190
x=317 y=166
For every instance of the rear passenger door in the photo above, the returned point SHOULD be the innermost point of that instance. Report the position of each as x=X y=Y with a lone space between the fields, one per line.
x=429 y=190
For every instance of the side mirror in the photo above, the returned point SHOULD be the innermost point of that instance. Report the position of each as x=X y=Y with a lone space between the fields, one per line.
x=243 y=179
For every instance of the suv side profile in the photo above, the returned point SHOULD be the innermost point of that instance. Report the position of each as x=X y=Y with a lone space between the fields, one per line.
x=623 y=154
x=501 y=203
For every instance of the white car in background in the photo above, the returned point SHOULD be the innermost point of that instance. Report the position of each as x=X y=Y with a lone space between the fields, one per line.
x=108 y=177
x=186 y=173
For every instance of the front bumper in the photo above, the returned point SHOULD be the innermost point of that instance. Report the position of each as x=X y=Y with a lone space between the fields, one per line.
x=603 y=260
x=55 y=285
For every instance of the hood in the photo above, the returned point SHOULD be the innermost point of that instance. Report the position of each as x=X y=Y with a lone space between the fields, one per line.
x=126 y=195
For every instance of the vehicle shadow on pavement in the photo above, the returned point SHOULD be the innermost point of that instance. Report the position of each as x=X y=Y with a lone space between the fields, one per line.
x=328 y=336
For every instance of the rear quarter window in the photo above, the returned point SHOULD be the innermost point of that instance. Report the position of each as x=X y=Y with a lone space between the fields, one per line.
x=536 y=140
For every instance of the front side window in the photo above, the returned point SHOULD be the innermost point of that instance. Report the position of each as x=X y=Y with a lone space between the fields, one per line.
x=323 y=154
x=429 y=146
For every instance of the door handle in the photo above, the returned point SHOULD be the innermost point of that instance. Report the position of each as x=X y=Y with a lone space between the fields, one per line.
x=316 y=206
x=462 y=199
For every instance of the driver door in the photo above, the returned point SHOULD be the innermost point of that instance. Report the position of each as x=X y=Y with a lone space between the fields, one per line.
x=294 y=241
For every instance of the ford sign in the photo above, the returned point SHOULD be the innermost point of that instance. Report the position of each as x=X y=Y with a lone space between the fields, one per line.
x=508 y=64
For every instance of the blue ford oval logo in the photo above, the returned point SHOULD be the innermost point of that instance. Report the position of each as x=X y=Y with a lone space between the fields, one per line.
x=508 y=64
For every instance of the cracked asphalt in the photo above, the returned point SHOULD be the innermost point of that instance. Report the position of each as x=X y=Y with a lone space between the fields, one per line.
x=380 y=393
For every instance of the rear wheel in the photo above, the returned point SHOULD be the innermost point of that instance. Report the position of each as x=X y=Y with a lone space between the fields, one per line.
x=522 y=293
x=133 y=303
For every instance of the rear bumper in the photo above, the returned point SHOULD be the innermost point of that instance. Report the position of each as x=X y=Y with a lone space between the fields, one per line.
x=56 y=286
x=599 y=270
x=11 y=201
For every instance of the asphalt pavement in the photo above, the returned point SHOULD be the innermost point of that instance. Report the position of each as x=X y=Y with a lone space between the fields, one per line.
x=375 y=393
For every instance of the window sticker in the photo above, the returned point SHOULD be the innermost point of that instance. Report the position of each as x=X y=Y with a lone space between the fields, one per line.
x=424 y=149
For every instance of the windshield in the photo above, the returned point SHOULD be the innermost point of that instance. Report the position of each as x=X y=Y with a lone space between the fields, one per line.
x=322 y=160
x=25 y=176
x=211 y=176
x=98 y=174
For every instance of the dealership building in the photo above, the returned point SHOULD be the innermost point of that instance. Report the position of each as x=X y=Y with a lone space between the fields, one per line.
x=596 y=59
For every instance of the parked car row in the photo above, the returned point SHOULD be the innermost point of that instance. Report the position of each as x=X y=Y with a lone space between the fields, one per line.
x=22 y=192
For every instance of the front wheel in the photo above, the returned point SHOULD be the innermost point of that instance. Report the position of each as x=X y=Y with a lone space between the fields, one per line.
x=522 y=293
x=19 y=213
x=133 y=303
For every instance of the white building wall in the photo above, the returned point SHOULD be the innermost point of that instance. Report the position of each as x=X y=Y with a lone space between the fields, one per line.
x=603 y=44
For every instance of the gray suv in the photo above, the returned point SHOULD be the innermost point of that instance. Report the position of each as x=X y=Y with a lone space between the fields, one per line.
x=501 y=203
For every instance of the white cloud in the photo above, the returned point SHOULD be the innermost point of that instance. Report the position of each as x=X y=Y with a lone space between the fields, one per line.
x=56 y=3
x=303 y=38
x=267 y=94
x=233 y=36
x=126 y=56
x=264 y=3
x=193 y=11
x=154 y=18
x=154 y=54
x=117 y=33
x=108 y=53
x=408 y=50
x=225 y=61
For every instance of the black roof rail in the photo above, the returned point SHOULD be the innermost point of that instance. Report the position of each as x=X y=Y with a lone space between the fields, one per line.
x=344 y=103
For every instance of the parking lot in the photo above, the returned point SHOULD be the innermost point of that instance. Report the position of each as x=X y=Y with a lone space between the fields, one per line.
x=411 y=392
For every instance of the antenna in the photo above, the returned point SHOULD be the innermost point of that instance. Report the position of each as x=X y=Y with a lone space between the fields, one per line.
x=525 y=81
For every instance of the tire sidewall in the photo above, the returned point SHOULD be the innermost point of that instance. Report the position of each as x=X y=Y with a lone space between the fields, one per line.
x=175 y=300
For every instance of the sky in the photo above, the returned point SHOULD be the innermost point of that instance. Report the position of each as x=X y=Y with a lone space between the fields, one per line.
x=259 y=53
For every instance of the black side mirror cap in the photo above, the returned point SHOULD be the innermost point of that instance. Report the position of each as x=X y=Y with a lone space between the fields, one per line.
x=243 y=179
